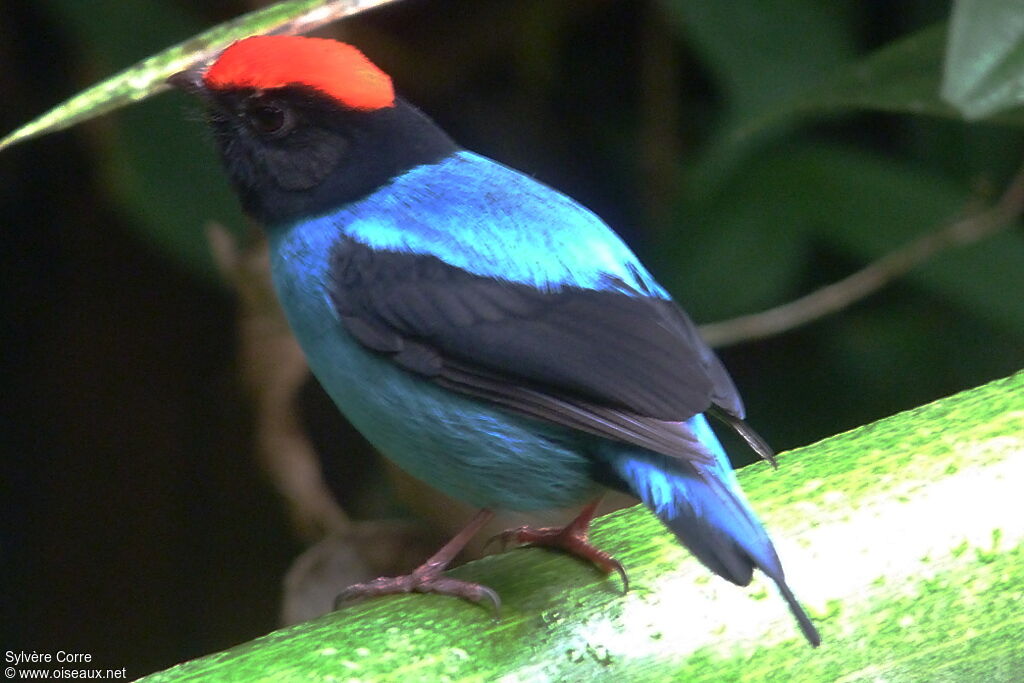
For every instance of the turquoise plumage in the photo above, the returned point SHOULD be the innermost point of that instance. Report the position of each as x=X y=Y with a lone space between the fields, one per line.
x=489 y=335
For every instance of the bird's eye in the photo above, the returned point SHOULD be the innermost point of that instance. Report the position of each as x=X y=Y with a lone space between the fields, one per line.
x=269 y=120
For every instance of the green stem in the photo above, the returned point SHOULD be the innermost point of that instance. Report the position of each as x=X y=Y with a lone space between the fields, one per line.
x=905 y=538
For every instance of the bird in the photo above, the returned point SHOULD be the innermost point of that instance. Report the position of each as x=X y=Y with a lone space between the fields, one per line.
x=485 y=332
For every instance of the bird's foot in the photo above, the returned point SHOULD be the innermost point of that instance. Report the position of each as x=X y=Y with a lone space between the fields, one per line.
x=572 y=538
x=427 y=578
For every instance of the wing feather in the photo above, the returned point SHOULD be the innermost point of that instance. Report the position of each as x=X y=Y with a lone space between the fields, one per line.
x=618 y=363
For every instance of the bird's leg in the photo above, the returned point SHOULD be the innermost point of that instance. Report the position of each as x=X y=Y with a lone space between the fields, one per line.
x=572 y=538
x=429 y=577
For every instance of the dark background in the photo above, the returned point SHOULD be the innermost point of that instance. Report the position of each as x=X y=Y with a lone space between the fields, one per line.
x=137 y=526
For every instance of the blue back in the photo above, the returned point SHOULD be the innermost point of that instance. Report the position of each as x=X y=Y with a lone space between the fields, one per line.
x=488 y=219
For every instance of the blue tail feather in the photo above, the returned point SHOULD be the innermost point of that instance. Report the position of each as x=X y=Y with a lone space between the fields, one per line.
x=706 y=510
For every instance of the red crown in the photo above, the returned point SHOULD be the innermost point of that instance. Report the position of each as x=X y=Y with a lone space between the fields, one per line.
x=335 y=69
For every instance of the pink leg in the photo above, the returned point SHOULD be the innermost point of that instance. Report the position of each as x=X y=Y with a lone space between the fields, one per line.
x=572 y=538
x=429 y=576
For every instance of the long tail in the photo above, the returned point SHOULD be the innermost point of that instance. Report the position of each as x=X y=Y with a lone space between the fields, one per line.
x=704 y=507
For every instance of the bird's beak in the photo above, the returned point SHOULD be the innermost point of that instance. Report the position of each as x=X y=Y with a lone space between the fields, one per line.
x=190 y=80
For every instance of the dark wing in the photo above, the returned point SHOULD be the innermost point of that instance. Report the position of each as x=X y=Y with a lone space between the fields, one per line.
x=615 y=363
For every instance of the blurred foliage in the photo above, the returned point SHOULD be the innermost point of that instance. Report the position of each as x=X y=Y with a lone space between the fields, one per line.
x=772 y=166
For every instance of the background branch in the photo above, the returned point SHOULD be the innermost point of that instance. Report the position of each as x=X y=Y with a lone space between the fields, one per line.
x=839 y=295
x=273 y=371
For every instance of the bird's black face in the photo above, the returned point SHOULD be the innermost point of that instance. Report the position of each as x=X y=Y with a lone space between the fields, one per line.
x=292 y=152
x=279 y=146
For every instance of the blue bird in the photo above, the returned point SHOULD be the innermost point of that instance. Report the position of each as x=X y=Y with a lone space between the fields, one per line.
x=486 y=333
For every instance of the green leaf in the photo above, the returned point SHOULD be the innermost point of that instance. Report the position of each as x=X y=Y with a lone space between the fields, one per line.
x=749 y=239
x=151 y=160
x=984 y=70
x=979 y=277
x=896 y=535
x=870 y=205
x=170 y=184
x=902 y=77
x=733 y=257
x=763 y=51
x=148 y=76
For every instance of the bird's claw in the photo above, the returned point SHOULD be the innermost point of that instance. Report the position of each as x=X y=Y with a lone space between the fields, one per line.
x=420 y=582
x=570 y=539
